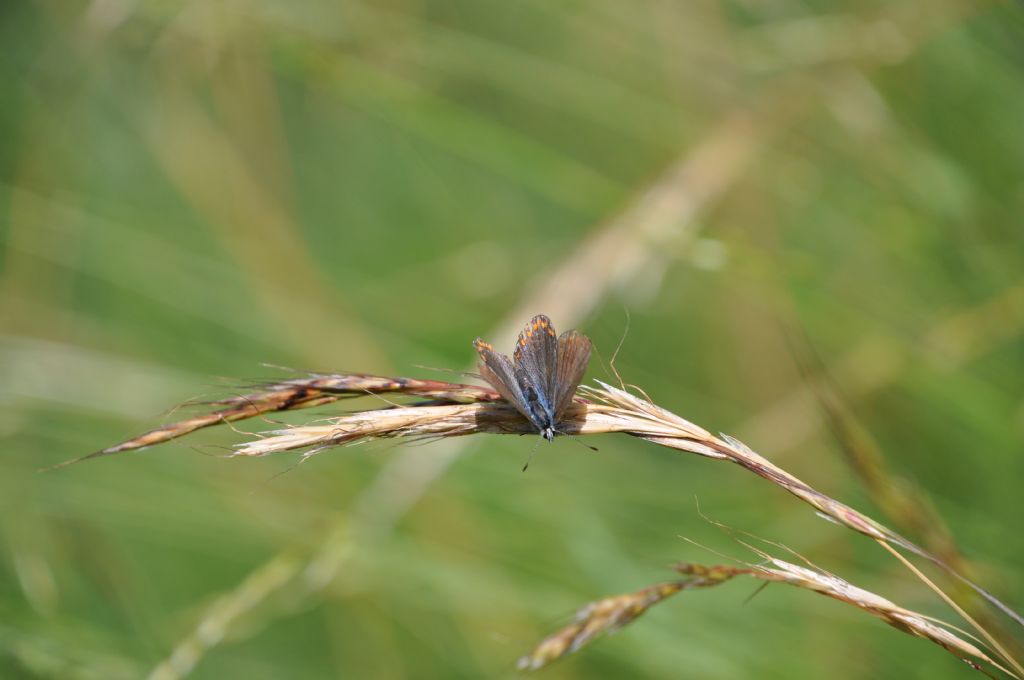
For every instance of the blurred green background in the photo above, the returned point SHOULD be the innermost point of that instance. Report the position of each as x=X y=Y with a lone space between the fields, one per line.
x=191 y=189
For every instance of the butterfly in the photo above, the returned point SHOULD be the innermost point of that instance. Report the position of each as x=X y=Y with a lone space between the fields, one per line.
x=542 y=376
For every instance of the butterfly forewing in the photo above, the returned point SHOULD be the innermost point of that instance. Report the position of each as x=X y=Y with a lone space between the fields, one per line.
x=573 y=357
x=536 y=357
x=498 y=371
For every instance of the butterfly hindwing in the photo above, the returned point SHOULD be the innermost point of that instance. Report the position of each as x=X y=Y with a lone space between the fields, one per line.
x=573 y=357
x=498 y=370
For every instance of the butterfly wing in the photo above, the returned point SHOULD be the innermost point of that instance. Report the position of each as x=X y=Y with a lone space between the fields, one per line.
x=536 y=358
x=498 y=370
x=573 y=357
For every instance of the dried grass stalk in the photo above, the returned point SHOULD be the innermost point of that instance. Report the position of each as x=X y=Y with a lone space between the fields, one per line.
x=596 y=619
x=452 y=409
x=289 y=395
x=611 y=613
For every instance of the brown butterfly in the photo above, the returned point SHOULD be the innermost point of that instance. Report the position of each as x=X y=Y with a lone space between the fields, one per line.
x=542 y=376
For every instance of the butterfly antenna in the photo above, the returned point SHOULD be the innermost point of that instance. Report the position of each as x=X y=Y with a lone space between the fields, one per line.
x=615 y=354
x=577 y=440
x=539 y=440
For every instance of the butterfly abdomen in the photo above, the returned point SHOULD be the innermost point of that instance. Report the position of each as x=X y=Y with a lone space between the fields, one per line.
x=541 y=410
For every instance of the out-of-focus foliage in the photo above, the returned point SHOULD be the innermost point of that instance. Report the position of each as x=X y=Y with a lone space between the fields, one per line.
x=190 y=189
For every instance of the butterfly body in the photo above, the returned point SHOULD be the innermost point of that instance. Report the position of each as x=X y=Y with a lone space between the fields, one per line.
x=542 y=376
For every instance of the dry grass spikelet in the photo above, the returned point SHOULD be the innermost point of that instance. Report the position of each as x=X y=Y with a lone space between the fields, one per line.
x=612 y=613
